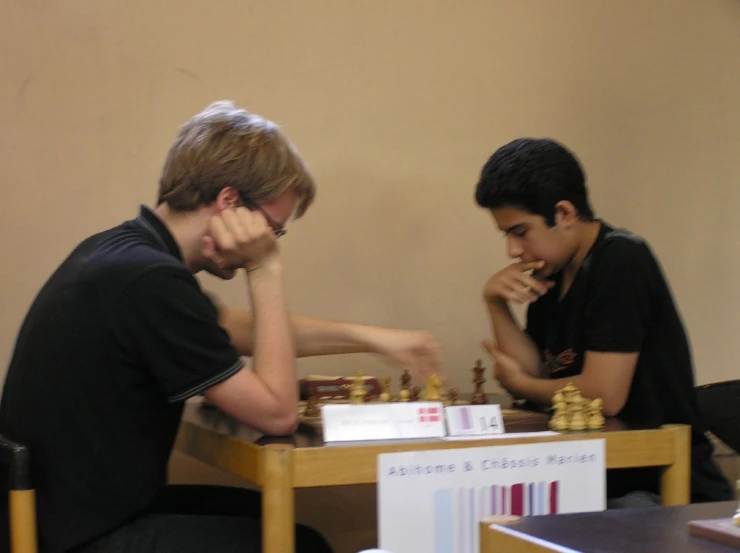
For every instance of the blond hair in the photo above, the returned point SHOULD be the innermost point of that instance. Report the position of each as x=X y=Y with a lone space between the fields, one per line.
x=227 y=146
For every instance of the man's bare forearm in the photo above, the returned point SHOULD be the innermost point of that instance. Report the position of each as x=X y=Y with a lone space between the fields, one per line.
x=324 y=337
x=541 y=390
x=605 y=375
x=512 y=339
x=273 y=343
x=312 y=336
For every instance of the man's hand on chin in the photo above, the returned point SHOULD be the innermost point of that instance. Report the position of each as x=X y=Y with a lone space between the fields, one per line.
x=222 y=273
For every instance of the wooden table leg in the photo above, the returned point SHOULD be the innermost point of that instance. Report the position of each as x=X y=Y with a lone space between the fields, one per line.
x=498 y=538
x=488 y=538
x=675 y=482
x=278 y=499
x=23 y=521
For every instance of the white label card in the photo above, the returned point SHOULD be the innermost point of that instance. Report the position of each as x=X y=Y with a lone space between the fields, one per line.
x=474 y=420
x=382 y=421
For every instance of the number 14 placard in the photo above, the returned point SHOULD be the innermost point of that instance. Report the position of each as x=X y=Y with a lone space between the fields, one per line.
x=470 y=420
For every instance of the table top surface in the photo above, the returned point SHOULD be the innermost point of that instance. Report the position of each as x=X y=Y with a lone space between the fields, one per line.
x=644 y=530
x=309 y=436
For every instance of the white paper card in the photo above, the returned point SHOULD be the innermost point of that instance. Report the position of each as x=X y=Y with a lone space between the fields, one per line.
x=382 y=421
x=474 y=420
x=432 y=501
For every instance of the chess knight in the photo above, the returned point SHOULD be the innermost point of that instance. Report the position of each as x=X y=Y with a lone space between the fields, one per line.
x=433 y=386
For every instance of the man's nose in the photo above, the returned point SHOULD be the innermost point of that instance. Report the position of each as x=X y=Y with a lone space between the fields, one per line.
x=514 y=247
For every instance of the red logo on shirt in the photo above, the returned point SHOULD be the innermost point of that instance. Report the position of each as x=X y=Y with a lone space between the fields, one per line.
x=429 y=414
x=561 y=361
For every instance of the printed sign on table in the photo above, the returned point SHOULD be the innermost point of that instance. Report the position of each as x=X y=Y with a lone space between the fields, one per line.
x=432 y=501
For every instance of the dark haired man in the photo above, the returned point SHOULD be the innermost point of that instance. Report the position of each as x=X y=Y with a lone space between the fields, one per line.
x=600 y=312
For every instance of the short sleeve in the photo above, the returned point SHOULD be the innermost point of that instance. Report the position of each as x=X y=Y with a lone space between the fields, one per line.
x=533 y=327
x=173 y=329
x=619 y=297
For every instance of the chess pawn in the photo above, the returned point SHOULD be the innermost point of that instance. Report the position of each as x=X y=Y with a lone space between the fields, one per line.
x=358 y=392
x=479 y=398
x=357 y=396
x=453 y=396
x=595 y=418
x=568 y=391
x=312 y=407
x=586 y=405
x=405 y=380
x=558 y=398
x=577 y=417
x=385 y=395
x=403 y=395
x=478 y=371
x=560 y=407
x=576 y=399
x=415 y=393
x=559 y=421
x=569 y=388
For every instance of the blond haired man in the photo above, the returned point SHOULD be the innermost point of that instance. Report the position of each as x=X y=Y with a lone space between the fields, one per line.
x=122 y=334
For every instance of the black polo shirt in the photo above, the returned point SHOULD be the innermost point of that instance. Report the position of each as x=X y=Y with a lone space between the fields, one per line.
x=117 y=339
x=619 y=301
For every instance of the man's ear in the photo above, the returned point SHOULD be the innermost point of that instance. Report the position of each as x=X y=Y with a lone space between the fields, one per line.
x=227 y=198
x=566 y=214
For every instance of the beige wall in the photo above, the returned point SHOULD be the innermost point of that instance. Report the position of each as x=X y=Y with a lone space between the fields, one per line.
x=395 y=105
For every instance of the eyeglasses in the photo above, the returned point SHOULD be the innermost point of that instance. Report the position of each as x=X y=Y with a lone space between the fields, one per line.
x=277 y=230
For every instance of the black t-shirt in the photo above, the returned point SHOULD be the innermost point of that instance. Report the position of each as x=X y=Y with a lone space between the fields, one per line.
x=619 y=301
x=117 y=339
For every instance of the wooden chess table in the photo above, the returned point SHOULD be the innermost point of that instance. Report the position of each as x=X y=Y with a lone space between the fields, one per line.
x=280 y=465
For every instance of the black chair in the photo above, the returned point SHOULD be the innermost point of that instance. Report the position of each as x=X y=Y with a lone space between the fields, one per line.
x=719 y=404
x=21 y=496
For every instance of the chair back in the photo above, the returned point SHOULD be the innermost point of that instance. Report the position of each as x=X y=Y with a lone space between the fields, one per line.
x=719 y=404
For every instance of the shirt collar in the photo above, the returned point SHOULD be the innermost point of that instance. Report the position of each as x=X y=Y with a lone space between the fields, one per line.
x=154 y=225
